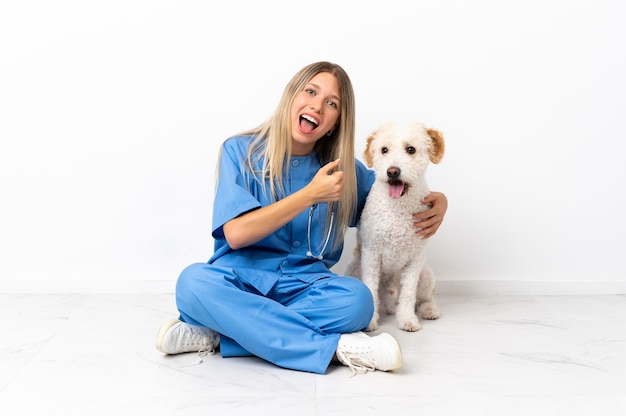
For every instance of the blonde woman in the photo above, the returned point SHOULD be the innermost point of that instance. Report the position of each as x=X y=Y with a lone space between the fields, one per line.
x=286 y=193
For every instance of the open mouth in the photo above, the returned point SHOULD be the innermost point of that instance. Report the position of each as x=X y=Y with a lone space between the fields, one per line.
x=397 y=188
x=308 y=123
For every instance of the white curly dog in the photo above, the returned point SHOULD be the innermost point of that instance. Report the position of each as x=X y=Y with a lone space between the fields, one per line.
x=389 y=257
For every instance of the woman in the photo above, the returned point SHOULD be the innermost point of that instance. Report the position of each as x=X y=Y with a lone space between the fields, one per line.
x=286 y=193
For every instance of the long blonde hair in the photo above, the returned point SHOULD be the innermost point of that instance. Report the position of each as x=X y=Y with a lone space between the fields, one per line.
x=272 y=143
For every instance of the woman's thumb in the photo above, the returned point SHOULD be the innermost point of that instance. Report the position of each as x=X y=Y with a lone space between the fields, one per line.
x=330 y=166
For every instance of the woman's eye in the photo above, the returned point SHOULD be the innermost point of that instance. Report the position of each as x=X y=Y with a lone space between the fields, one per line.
x=309 y=91
x=410 y=150
x=332 y=104
x=384 y=150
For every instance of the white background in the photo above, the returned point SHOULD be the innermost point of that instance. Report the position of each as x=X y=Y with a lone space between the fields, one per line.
x=112 y=112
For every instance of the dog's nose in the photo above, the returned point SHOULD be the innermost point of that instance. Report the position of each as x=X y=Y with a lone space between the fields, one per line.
x=393 y=172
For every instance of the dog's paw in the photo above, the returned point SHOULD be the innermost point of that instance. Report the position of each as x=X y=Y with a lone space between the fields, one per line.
x=429 y=311
x=373 y=326
x=411 y=325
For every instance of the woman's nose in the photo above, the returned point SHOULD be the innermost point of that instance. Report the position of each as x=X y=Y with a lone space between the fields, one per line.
x=316 y=104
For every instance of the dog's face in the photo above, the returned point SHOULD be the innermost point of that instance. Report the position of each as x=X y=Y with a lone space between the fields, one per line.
x=399 y=153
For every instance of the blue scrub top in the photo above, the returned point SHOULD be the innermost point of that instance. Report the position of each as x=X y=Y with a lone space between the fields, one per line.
x=283 y=252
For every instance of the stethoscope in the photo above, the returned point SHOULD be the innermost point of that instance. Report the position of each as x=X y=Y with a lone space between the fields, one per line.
x=309 y=253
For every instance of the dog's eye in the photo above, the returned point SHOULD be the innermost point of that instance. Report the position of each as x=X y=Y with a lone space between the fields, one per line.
x=410 y=150
x=384 y=150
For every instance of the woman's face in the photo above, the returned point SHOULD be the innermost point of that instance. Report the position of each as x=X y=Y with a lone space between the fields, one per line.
x=314 y=112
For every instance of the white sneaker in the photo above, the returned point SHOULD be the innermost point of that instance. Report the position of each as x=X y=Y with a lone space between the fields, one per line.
x=176 y=337
x=363 y=353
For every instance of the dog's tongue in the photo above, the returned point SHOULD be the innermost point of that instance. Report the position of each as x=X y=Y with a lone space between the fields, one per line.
x=396 y=189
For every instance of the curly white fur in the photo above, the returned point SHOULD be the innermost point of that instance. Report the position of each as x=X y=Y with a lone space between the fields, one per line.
x=390 y=257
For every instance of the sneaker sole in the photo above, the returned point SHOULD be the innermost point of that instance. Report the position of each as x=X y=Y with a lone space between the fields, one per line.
x=161 y=335
x=396 y=360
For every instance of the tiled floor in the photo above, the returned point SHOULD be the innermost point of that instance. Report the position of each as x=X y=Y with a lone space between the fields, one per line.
x=491 y=355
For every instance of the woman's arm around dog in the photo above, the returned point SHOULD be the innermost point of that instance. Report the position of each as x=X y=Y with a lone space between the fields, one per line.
x=428 y=222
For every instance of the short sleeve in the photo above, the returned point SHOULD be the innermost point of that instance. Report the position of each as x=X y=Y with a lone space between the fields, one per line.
x=233 y=196
x=364 y=180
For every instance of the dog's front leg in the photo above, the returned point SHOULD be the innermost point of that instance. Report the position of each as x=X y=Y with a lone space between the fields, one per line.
x=370 y=268
x=427 y=308
x=407 y=299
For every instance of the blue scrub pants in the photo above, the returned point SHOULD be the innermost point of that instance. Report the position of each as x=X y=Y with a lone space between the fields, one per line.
x=297 y=325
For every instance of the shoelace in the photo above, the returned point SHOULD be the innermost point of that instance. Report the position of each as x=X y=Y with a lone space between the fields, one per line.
x=196 y=336
x=204 y=351
x=355 y=362
x=206 y=348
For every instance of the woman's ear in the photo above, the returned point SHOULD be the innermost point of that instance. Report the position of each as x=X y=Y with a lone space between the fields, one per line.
x=437 y=145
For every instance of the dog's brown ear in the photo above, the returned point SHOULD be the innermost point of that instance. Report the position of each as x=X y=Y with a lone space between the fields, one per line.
x=367 y=154
x=437 y=145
